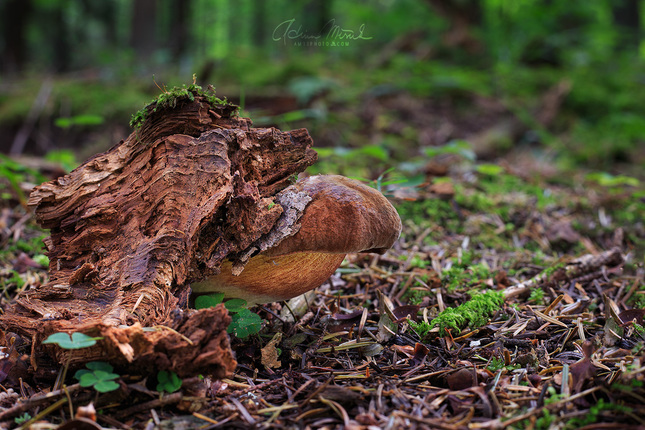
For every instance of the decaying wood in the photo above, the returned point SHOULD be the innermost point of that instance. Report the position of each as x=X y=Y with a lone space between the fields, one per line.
x=131 y=228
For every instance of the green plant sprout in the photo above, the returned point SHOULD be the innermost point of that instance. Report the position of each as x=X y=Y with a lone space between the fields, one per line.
x=457 y=147
x=243 y=322
x=22 y=418
x=98 y=375
x=168 y=381
x=497 y=363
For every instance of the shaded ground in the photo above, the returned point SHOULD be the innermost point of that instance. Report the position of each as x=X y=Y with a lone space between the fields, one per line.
x=366 y=349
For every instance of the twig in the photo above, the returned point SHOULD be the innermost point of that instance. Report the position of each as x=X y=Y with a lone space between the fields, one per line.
x=157 y=403
x=245 y=414
x=550 y=406
x=31 y=403
x=578 y=267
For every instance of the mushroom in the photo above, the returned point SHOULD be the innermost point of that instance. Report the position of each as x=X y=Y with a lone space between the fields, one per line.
x=344 y=216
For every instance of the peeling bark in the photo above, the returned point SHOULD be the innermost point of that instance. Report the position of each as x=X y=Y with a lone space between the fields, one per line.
x=131 y=228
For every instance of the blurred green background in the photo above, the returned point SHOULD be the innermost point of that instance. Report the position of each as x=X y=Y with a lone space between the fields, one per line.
x=379 y=84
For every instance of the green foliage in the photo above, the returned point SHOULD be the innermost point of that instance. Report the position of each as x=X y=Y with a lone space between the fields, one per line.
x=64 y=157
x=41 y=259
x=168 y=381
x=415 y=296
x=307 y=87
x=243 y=322
x=537 y=296
x=79 y=120
x=457 y=147
x=208 y=300
x=594 y=414
x=553 y=396
x=473 y=313
x=98 y=375
x=15 y=280
x=608 y=180
x=363 y=158
x=437 y=214
x=422 y=328
x=22 y=418
x=545 y=421
x=497 y=364
x=75 y=341
x=463 y=275
x=489 y=169
x=13 y=173
x=235 y=305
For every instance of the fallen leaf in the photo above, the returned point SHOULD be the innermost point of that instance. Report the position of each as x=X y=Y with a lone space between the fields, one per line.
x=270 y=352
x=583 y=370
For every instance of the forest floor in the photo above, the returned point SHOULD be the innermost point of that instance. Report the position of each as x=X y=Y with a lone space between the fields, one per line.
x=509 y=302
x=515 y=297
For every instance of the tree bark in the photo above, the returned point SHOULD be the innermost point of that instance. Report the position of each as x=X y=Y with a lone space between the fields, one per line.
x=131 y=228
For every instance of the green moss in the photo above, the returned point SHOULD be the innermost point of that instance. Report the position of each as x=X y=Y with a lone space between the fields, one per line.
x=596 y=412
x=464 y=273
x=418 y=292
x=170 y=98
x=537 y=296
x=434 y=213
x=474 y=313
x=422 y=328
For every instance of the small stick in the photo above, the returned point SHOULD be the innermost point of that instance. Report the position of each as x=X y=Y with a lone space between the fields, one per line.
x=585 y=264
x=157 y=403
x=24 y=406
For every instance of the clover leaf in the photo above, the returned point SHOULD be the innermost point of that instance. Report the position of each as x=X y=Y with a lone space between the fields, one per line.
x=99 y=376
x=75 y=341
x=245 y=323
x=168 y=381
x=208 y=300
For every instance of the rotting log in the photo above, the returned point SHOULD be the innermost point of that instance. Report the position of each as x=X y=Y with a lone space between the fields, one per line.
x=132 y=227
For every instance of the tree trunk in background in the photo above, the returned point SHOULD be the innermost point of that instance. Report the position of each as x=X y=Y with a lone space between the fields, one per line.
x=105 y=12
x=260 y=34
x=316 y=15
x=143 y=37
x=13 y=17
x=59 y=38
x=626 y=15
x=464 y=17
x=180 y=16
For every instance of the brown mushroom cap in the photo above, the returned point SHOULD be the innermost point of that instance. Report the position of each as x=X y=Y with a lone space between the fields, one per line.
x=344 y=216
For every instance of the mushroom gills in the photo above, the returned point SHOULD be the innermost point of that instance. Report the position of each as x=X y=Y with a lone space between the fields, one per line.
x=268 y=279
